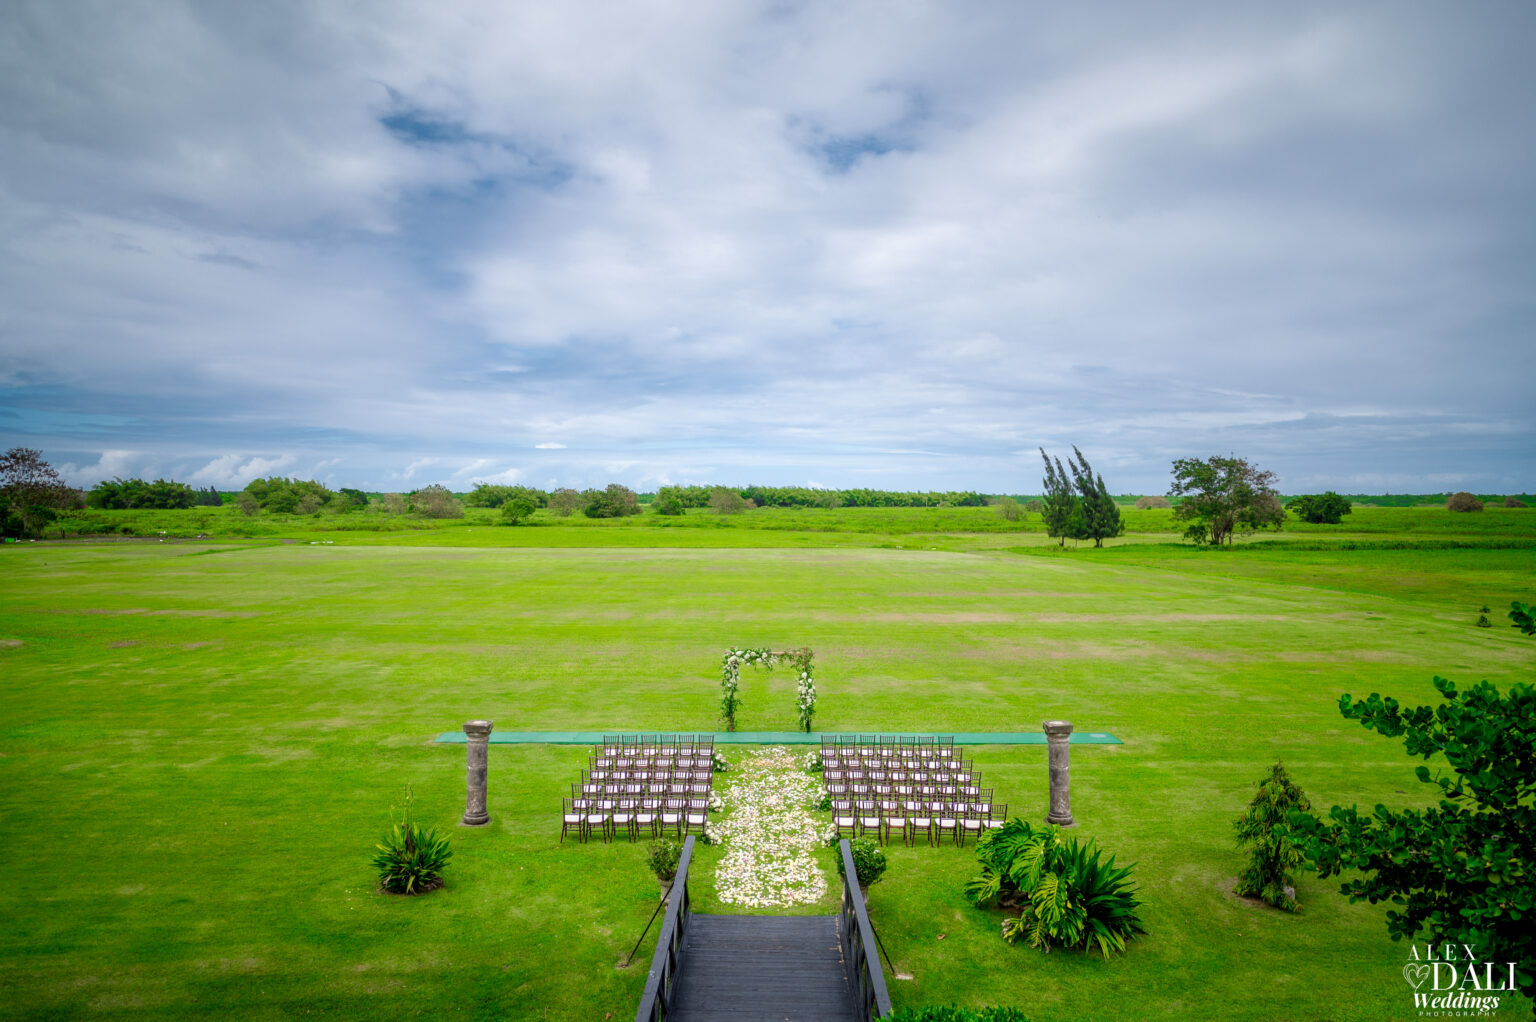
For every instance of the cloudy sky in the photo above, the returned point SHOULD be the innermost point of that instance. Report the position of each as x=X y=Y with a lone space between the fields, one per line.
x=894 y=244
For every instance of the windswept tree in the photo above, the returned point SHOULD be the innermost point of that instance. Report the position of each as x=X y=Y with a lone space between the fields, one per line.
x=1059 y=499
x=616 y=501
x=1100 y=515
x=1223 y=496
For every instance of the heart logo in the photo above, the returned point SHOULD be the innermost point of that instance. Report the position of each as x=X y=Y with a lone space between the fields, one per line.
x=1415 y=974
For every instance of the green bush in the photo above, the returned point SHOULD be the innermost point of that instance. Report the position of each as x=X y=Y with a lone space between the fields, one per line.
x=1066 y=894
x=516 y=510
x=1273 y=856
x=868 y=861
x=663 y=858
x=941 y=1013
x=668 y=505
x=1463 y=501
x=411 y=857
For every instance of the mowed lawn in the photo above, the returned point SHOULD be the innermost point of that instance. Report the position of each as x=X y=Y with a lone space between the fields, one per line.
x=199 y=745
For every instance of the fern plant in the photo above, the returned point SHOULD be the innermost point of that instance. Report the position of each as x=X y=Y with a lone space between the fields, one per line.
x=411 y=857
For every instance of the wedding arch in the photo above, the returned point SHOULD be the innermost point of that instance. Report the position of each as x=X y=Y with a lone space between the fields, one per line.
x=730 y=679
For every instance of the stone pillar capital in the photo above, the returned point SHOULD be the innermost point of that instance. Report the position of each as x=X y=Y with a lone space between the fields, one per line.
x=478 y=730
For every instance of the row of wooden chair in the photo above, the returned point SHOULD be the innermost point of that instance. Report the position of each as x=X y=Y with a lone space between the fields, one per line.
x=606 y=816
x=900 y=775
x=965 y=788
x=650 y=745
x=884 y=745
x=857 y=818
x=664 y=762
x=689 y=774
x=634 y=789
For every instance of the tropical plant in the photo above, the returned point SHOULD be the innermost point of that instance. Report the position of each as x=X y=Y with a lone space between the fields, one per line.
x=1067 y=895
x=869 y=863
x=663 y=858
x=945 y=1013
x=1462 y=870
x=1262 y=827
x=411 y=857
x=1522 y=616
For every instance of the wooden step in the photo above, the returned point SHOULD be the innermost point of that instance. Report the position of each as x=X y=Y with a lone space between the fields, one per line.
x=769 y=968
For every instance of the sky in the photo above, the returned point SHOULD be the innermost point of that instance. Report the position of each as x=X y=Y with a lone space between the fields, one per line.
x=886 y=244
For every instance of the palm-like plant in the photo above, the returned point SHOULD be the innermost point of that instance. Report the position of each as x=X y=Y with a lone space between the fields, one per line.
x=411 y=857
x=1068 y=895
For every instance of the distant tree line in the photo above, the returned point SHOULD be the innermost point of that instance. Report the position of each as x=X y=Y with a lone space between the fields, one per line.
x=117 y=494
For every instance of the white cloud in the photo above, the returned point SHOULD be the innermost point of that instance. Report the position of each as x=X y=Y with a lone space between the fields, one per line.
x=233 y=471
x=549 y=447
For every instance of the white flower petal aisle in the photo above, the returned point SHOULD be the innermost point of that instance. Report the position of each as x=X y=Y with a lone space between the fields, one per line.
x=768 y=832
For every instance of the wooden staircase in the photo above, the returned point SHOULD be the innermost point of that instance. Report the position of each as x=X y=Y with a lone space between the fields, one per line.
x=743 y=968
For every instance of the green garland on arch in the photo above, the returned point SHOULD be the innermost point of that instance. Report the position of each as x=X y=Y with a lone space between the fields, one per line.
x=730 y=680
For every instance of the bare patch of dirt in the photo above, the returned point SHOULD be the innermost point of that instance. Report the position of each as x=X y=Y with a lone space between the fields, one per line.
x=123 y=644
x=10 y=643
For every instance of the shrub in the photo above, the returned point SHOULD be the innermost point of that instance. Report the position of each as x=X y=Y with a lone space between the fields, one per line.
x=667 y=505
x=411 y=857
x=1521 y=615
x=1320 y=508
x=942 y=1013
x=436 y=502
x=663 y=858
x=1268 y=875
x=868 y=861
x=1463 y=501
x=1513 y=502
x=617 y=501
x=1009 y=509
x=565 y=501
x=515 y=510
x=726 y=501
x=1142 y=503
x=392 y=503
x=1066 y=894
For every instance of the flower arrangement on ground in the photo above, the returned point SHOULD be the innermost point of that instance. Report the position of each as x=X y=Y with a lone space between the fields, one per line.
x=768 y=833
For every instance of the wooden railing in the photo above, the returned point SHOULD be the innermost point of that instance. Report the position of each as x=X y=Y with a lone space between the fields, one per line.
x=656 y=1001
x=866 y=983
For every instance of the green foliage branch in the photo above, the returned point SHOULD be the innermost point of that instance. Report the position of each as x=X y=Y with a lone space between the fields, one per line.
x=1521 y=615
x=1098 y=515
x=954 y=1013
x=1262 y=828
x=1462 y=870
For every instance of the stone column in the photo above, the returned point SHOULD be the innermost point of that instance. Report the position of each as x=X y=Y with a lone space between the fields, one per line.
x=1057 y=734
x=479 y=734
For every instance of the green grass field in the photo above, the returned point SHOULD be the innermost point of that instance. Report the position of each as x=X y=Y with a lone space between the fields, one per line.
x=201 y=740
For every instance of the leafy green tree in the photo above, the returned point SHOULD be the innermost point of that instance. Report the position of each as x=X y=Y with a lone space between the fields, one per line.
x=1320 y=508
x=348 y=499
x=1464 y=870
x=1223 y=496
x=565 y=501
x=494 y=495
x=210 y=498
x=1099 y=517
x=436 y=501
x=1263 y=828
x=668 y=505
x=120 y=494
x=1009 y=510
x=726 y=501
x=392 y=503
x=283 y=496
x=1520 y=614
x=686 y=496
x=1061 y=504
x=31 y=492
x=517 y=510
x=617 y=501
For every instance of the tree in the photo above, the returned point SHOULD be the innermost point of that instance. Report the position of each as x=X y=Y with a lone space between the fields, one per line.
x=436 y=501
x=668 y=505
x=1223 y=496
x=393 y=503
x=120 y=494
x=564 y=501
x=1320 y=508
x=725 y=501
x=1099 y=517
x=514 y=511
x=1060 y=501
x=1463 y=501
x=31 y=491
x=1009 y=509
x=210 y=498
x=1463 y=871
x=617 y=501
x=1263 y=827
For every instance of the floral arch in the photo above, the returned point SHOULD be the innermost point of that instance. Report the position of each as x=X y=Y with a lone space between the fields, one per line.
x=730 y=679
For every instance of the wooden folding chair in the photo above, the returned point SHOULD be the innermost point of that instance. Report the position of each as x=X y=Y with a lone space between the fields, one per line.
x=570 y=817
